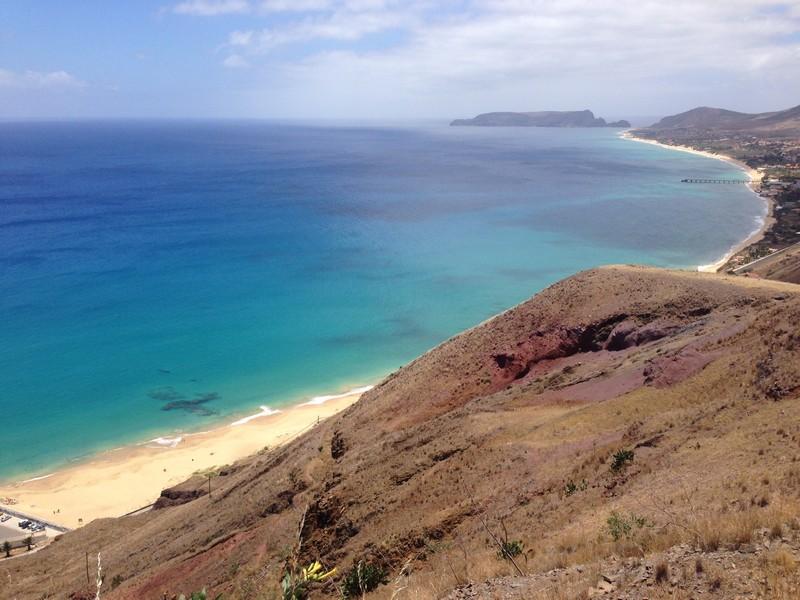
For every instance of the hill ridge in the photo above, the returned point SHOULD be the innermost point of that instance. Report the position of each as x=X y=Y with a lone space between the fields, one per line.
x=516 y=425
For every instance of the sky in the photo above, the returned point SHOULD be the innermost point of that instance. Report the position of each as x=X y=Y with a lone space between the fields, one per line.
x=393 y=59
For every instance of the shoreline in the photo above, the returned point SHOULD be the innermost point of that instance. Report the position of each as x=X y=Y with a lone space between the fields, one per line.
x=116 y=482
x=753 y=175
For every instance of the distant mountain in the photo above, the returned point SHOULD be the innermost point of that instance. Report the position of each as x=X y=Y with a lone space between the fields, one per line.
x=549 y=118
x=717 y=119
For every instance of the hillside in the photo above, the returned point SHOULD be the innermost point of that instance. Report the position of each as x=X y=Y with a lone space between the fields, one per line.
x=577 y=118
x=621 y=418
x=783 y=122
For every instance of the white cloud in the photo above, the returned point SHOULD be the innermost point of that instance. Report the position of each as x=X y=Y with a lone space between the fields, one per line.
x=38 y=79
x=343 y=24
x=270 y=6
x=461 y=56
x=597 y=46
x=211 y=8
x=234 y=61
x=240 y=38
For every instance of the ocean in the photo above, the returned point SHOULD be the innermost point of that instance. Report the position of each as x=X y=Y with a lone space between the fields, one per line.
x=159 y=277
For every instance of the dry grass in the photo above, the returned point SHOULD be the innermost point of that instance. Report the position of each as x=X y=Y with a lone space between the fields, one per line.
x=781 y=575
x=449 y=568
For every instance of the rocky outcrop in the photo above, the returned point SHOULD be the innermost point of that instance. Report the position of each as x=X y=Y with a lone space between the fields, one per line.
x=181 y=494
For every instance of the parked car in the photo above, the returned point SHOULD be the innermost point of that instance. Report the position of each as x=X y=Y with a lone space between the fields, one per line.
x=4 y=518
x=24 y=524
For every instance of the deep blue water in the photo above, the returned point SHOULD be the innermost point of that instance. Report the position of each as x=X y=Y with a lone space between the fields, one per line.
x=248 y=263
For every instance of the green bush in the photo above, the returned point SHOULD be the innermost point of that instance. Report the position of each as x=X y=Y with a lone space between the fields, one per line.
x=621 y=459
x=621 y=526
x=573 y=487
x=363 y=578
x=510 y=549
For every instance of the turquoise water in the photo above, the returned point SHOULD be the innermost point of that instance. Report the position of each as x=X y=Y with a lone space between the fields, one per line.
x=211 y=267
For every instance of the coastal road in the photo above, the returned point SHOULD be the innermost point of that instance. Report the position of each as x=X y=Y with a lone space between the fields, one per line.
x=783 y=265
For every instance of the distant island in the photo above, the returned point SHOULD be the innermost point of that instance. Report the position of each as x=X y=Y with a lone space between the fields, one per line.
x=547 y=118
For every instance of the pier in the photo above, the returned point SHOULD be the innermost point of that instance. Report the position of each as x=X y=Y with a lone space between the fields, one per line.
x=693 y=180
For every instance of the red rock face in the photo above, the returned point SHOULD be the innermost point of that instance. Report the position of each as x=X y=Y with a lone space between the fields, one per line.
x=610 y=335
x=542 y=345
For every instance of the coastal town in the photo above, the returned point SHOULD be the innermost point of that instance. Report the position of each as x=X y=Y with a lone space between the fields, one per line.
x=776 y=158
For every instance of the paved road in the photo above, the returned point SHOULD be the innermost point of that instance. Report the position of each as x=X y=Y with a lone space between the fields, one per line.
x=8 y=533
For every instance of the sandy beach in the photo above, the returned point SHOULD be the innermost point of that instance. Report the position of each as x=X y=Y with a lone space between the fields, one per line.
x=120 y=481
x=754 y=176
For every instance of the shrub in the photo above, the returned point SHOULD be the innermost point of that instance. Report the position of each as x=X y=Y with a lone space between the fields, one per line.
x=621 y=459
x=621 y=526
x=510 y=549
x=573 y=487
x=201 y=595
x=698 y=566
x=363 y=578
x=662 y=572
x=297 y=582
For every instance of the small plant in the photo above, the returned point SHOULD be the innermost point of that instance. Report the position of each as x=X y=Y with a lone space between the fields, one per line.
x=621 y=526
x=363 y=578
x=621 y=459
x=116 y=581
x=7 y=548
x=297 y=582
x=510 y=549
x=201 y=595
x=662 y=572
x=28 y=542
x=573 y=487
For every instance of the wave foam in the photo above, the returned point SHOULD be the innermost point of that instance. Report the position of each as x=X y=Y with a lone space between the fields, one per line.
x=761 y=222
x=266 y=411
x=317 y=400
x=167 y=442
x=38 y=478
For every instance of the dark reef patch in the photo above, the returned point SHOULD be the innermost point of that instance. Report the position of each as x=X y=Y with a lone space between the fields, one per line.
x=174 y=400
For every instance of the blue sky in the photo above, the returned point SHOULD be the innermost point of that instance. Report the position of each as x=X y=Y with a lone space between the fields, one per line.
x=393 y=59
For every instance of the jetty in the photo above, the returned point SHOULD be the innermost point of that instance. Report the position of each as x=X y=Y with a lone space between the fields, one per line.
x=695 y=180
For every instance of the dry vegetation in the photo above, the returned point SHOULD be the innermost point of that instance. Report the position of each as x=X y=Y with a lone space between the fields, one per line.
x=627 y=423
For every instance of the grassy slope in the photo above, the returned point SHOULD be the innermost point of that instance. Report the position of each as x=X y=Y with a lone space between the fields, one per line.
x=490 y=427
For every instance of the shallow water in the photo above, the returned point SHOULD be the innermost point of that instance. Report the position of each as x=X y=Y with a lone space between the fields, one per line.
x=210 y=268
